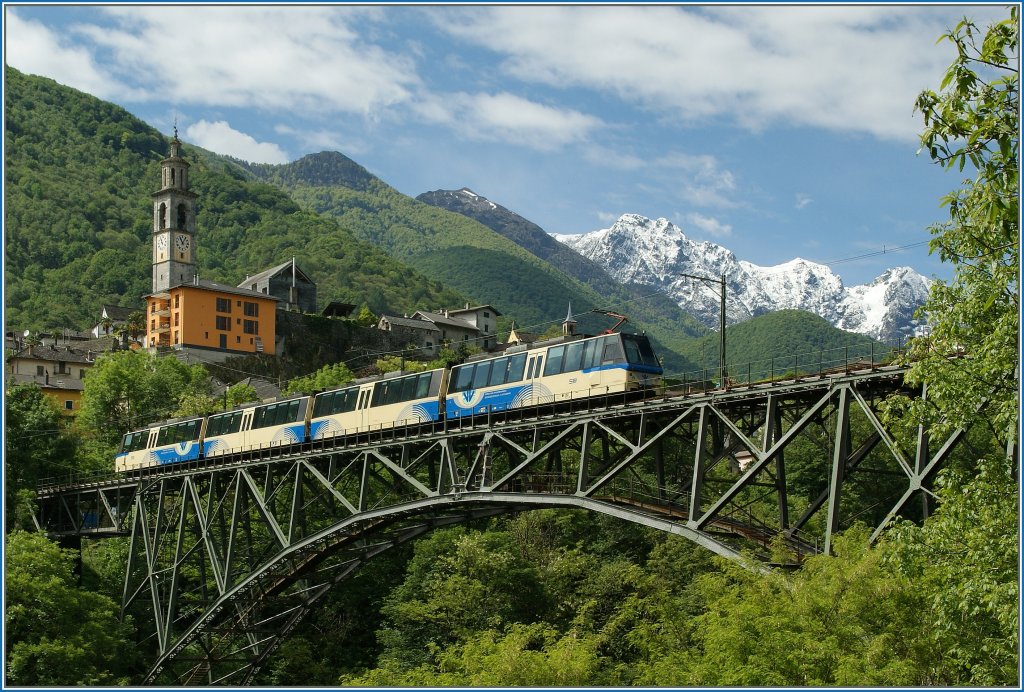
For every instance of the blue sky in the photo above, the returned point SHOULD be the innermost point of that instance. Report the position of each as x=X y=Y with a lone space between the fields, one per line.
x=776 y=131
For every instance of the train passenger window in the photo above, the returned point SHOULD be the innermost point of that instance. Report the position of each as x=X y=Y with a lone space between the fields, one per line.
x=516 y=365
x=481 y=374
x=592 y=353
x=409 y=388
x=463 y=378
x=554 y=364
x=423 y=385
x=499 y=369
x=573 y=357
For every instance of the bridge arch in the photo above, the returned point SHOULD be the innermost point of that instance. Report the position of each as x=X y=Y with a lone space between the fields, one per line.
x=227 y=558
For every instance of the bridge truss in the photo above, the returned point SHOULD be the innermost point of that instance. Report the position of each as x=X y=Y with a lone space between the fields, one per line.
x=227 y=557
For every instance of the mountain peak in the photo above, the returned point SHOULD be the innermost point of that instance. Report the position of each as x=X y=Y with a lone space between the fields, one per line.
x=327 y=169
x=655 y=253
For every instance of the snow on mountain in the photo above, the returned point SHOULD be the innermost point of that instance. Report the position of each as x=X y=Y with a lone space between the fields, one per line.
x=655 y=252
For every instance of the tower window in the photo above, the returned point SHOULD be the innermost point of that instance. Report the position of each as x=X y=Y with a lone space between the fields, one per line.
x=163 y=215
x=172 y=176
x=182 y=217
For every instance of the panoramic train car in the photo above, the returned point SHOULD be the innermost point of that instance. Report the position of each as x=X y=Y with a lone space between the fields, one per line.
x=577 y=369
x=396 y=400
x=162 y=443
x=254 y=427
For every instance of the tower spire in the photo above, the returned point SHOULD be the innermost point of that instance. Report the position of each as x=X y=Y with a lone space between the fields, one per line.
x=569 y=325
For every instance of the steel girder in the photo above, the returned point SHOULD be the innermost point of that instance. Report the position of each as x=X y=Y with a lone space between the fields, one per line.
x=226 y=559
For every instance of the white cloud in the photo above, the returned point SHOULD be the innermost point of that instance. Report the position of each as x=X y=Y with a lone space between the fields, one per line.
x=315 y=140
x=34 y=49
x=802 y=200
x=707 y=184
x=709 y=225
x=222 y=138
x=509 y=118
x=835 y=67
x=306 y=59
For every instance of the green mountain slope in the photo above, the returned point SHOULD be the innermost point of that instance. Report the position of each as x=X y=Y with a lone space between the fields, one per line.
x=782 y=342
x=79 y=173
x=461 y=252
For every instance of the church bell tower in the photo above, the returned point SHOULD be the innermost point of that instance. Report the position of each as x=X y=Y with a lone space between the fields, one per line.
x=174 y=223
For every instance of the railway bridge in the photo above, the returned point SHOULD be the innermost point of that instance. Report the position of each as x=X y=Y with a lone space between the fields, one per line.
x=226 y=557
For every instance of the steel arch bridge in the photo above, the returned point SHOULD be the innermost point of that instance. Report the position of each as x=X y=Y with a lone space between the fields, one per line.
x=226 y=558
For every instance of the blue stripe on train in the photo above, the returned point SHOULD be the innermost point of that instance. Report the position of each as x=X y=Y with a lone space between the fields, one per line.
x=183 y=451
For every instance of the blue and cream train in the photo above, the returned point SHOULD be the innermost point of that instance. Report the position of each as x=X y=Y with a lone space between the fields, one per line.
x=523 y=376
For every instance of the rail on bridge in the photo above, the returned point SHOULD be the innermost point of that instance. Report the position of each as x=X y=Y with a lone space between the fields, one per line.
x=226 y=558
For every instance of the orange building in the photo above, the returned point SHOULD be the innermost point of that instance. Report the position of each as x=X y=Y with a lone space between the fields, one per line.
x=184 y=312
x=208 y=315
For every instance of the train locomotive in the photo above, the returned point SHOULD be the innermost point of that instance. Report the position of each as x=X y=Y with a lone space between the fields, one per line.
x=562 y=369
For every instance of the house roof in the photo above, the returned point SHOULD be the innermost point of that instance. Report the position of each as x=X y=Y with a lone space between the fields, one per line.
x=274 y=271
x=475 y=309
x=265 y=389
x=221 y=288
x=338 y=309
x=82 y=352
x=411 y=323
x=116 y=312
x=439 y=318
x=55 y=381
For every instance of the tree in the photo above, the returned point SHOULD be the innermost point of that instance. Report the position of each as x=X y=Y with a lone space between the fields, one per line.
x=38 y=446
x=239 y=393
x=965 y=559
x=56 y=633
x=973 y=123
x=129 y=389
x=327 y=377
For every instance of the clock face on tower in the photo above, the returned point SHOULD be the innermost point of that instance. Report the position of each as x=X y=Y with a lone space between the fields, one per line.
x=182 y=242
x=161 y=242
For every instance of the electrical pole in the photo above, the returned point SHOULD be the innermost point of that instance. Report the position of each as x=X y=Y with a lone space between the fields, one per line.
x=723 y=372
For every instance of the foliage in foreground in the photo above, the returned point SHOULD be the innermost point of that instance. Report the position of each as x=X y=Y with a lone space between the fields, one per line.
x=58 y=634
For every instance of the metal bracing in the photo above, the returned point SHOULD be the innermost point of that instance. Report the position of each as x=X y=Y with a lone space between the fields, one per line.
x=227 y=556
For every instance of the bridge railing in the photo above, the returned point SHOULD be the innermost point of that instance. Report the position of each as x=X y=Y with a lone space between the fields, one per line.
x=842 y=360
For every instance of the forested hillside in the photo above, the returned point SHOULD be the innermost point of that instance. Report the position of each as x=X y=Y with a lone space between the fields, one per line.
x=79 y=175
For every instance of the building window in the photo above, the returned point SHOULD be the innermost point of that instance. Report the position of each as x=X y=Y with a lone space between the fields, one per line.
x=152 y=309
x=81 y=373
x=486 y=314
x=224 y=305
x=177 y=301
x=251 y=327
x=252 y=309
x=152 y=325
x=40 y=370
x=175 y=337
x=238 y=339
x=224 y=323
x=62 y=368
x=69 y=405
x=177 y=315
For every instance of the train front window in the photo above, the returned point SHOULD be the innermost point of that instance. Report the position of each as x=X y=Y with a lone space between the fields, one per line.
x=639 y=351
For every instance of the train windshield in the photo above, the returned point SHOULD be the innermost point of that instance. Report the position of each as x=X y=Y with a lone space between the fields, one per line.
x=134 y=441
x=639 y=351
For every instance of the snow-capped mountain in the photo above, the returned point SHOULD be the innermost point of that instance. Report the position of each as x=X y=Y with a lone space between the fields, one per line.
x=654 y=252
